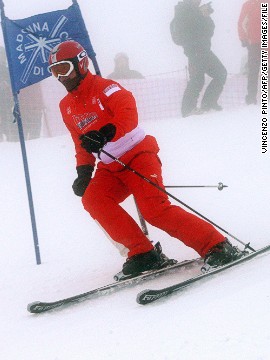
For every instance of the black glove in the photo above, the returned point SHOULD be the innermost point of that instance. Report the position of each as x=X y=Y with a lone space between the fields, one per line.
x=94 y=140
x=84 y=176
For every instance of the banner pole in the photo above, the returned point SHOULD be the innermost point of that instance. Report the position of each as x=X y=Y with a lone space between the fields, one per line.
x=92 y=56
x=17 y=116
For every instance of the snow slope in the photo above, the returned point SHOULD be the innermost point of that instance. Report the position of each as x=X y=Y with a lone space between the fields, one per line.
x=226 y=317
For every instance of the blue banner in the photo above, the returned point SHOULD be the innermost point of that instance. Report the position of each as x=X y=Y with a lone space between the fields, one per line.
x=29 y=41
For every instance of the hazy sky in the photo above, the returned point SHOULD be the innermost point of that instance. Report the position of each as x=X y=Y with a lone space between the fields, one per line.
x=141 y=29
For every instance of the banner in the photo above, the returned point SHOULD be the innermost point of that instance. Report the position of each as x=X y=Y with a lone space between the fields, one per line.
x=29 y=41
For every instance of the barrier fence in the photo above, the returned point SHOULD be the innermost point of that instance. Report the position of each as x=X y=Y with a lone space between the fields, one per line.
x=158 y=97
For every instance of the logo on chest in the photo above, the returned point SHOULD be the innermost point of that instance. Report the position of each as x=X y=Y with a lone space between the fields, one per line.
x=83 y=120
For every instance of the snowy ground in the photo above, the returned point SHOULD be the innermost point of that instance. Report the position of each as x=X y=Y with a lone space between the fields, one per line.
x=225 y=318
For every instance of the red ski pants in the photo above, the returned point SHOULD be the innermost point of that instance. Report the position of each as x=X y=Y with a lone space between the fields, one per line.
x=108 y=189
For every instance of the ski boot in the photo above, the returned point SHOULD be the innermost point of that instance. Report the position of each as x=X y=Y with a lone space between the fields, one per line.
x=165 y=260
x=221 y=254
x=152 y=260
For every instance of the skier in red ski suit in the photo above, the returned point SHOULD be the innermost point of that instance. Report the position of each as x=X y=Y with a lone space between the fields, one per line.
x=100 y=113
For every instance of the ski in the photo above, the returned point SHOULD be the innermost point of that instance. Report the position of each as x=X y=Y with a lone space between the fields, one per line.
x=148 y=296
x=40 y=306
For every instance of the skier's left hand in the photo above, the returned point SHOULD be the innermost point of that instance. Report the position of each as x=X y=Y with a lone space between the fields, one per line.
x=94 y=140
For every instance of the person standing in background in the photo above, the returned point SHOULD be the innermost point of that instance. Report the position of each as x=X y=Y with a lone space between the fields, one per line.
x=31 y=111
x=122 y=70
x=195 y=29
x=249 y=30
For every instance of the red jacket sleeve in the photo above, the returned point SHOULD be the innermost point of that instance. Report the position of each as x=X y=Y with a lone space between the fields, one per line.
x=81 y=155
x=121 y=105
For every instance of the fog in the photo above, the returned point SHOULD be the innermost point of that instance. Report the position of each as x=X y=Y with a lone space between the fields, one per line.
x=214 y=320
x=141 y=29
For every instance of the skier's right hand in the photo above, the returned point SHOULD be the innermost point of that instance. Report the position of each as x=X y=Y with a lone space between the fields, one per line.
x=84 y=176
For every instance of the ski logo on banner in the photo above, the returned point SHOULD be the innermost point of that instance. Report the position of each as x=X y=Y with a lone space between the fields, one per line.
x=29 y=42
x=34 y=44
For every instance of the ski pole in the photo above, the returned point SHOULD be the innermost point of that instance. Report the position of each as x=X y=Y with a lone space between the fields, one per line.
x=142 y=221
x=219 y=186
x=144 y=228
x=175 y=198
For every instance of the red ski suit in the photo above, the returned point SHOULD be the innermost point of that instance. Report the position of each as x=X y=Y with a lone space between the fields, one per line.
x=95 y=103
